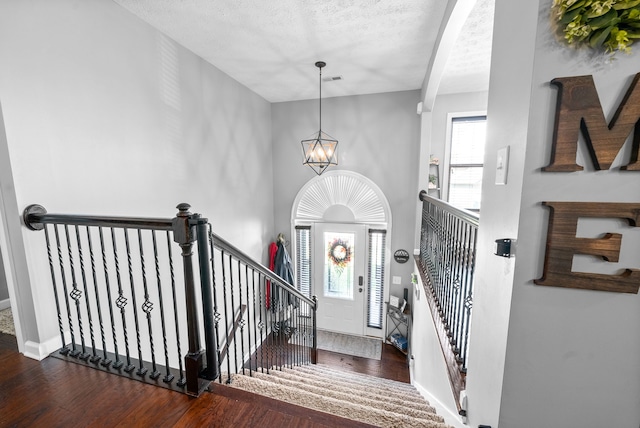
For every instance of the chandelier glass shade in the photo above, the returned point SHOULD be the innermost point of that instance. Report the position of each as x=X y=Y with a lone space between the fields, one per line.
x=320 y=150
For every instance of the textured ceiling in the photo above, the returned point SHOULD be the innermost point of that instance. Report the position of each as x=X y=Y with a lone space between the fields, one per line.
x=375 y=45
x=468 y=66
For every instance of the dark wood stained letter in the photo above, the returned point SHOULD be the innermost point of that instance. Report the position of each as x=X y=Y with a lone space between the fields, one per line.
x=578 y=109
x=562 y=244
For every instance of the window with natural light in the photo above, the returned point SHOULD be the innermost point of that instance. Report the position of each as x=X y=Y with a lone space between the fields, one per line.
x=468 y=135
x=375 y=293
x=303 y=259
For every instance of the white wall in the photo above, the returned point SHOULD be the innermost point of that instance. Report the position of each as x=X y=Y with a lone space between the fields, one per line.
x=105 y=115
x=378 y=137
x=429 y=370
x=570 y=358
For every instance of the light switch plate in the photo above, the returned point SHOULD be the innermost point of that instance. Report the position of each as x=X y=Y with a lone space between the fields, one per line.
x=502 y=165
x=397 y=280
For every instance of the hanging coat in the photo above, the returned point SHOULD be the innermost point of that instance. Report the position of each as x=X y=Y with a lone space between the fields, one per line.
x=273 y=249
x=283 y=266
x=284 y=269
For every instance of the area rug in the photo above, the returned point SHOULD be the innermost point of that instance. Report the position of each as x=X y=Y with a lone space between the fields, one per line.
x=6 y=322
x=351 y=345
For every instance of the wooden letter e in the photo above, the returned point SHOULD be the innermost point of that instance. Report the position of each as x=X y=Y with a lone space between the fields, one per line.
x=562 y=244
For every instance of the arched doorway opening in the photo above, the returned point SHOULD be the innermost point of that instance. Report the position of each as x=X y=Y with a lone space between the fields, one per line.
x=341 y=222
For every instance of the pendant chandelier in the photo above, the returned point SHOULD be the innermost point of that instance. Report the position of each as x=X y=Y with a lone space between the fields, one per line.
x=320 y=150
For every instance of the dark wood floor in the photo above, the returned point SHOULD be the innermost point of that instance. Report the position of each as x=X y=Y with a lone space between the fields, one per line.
x=56 y=393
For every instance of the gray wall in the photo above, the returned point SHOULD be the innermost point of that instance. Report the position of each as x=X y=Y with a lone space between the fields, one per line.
x=378 y=137
x=105 y=115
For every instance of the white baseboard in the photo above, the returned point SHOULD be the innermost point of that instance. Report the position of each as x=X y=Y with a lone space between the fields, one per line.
x=40 y=351
x=449 y=415
x=5 y=304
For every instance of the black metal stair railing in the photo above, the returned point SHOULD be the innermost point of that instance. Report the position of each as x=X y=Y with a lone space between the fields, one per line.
x=277 y=327
x=122 y=308
x=446 y=264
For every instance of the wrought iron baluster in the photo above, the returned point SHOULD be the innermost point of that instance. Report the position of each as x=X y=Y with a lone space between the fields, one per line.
x=263 y=320
x=278 y=328
x=97 y=294
x=121 y=303
x=147 y=307
x=453 y=290
x=161 y=302
x=233 y=311
x=55 y=289
x=450 y=292
x=437 y=257
x=308 y=328
x=216 y=313
x=246 y=277
x=469 y=299
x=446 y=277
x=241 y=320
x=296 y=325
x=462 y=250
x=182 y=381
x=106 y=361
x=86 y=298
x=302 y=338
x=255 y=306
x=226 y=315
x=75 y=295
x=443 y=267
x=314 y=350
x=134 y=304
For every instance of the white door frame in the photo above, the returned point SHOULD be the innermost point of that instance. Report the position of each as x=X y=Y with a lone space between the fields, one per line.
x=336 y=195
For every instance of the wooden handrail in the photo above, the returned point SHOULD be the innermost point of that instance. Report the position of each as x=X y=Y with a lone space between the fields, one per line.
x=465 y=215
x=230 y=249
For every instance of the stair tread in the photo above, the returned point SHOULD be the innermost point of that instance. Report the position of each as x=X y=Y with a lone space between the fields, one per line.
x=369 y=385
x=417 y=407
x=328 y=368
x=361 y=376
x=326 y=404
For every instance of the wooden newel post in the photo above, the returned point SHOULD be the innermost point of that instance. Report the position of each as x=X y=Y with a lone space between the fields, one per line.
x=314 y=349
x=185 y=235
x=204 y=258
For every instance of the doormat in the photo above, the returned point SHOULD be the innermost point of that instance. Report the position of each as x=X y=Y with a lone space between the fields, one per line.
x=358 y=346
x=6 y=322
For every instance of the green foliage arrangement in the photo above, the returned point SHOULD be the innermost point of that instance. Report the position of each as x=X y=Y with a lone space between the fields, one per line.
x=609 y=24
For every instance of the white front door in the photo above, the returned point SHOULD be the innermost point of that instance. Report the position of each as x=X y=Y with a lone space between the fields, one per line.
x=339 y=270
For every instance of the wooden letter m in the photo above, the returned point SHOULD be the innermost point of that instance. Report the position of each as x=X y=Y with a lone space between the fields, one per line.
x=578 y=109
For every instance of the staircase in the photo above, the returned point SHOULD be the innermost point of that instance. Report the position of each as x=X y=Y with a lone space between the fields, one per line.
x=359 y=397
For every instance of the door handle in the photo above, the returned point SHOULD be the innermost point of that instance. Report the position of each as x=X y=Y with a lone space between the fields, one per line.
x=360 y=280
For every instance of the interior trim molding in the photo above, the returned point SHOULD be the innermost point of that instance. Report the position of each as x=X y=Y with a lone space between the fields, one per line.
x=350 y=189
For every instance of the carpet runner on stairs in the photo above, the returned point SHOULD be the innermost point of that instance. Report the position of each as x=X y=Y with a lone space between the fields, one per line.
x=359 y=397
